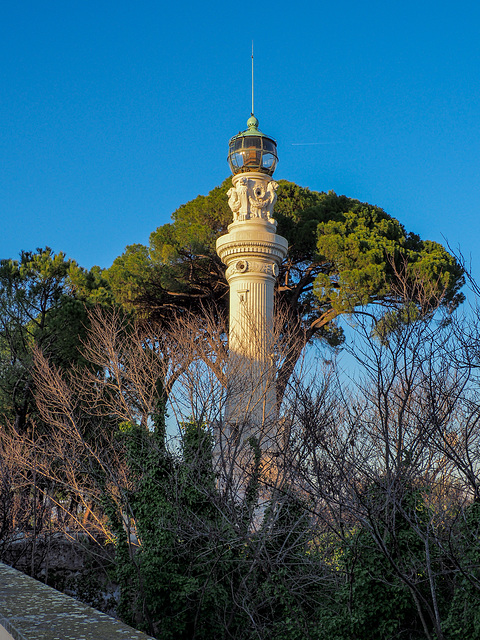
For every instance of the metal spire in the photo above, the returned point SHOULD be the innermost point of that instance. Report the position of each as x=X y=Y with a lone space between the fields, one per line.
x=252 y=79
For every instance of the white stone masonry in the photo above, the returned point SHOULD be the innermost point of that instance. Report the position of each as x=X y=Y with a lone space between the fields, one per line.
x=252 y=252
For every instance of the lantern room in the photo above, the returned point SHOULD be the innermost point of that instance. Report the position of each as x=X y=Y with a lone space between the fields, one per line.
x=252 y=150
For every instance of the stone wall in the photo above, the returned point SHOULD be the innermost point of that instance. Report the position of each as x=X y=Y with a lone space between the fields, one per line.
x=4 y=635
x=30 y=610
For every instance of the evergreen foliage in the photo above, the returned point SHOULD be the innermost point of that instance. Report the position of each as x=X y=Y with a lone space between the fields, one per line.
x=371 y=527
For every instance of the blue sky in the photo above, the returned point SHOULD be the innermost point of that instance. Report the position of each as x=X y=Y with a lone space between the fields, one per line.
x=115 y=113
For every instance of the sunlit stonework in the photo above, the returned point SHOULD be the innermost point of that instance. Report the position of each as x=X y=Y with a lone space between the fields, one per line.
x=252 y=196
x=252 y=252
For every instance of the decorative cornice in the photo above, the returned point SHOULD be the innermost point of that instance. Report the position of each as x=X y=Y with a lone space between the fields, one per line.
x=234 y=248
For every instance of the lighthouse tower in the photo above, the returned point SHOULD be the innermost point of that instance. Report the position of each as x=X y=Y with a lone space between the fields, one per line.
x=252 y=252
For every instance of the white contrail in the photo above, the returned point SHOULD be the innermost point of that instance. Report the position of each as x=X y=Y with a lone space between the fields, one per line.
x=302 y=144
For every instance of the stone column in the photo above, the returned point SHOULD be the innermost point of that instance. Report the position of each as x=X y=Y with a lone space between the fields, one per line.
x=252 y=252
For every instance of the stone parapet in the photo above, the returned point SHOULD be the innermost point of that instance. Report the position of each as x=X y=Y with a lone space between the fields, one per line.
x=30 y=610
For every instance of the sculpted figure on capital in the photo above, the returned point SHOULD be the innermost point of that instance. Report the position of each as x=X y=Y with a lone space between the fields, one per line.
x=234 y=202
x=272 y=187
x=250 y=198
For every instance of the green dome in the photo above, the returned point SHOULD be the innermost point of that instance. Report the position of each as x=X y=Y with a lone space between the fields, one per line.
x=252 y=123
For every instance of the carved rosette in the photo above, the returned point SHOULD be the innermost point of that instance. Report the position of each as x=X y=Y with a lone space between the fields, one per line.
x=252 y=266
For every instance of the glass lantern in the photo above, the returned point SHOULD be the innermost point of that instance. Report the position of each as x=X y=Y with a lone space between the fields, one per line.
x=252 y=150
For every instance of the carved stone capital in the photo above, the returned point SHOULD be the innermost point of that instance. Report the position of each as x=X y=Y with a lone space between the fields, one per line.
x=252 y=196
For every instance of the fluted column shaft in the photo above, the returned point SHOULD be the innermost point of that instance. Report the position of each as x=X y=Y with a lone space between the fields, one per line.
x=252 y=252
